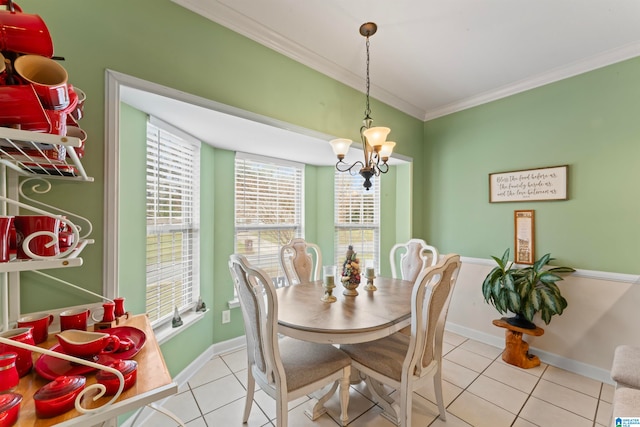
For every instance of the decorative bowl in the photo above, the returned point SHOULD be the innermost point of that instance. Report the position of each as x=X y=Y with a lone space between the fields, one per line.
x=58 y=396
x=129 y=370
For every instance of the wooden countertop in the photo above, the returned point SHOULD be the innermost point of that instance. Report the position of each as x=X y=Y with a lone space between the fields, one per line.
x=153 y=382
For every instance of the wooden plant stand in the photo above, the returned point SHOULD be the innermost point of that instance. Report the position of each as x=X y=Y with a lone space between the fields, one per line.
x=516 y=351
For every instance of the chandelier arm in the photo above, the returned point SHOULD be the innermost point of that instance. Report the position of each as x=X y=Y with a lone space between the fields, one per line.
x=383 y=168
x=366 y=149
x=345 y=167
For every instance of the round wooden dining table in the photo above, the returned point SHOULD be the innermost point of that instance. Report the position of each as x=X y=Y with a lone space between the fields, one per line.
x=349 y=320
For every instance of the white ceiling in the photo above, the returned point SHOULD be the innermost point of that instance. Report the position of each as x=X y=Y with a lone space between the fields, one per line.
x=433 y=57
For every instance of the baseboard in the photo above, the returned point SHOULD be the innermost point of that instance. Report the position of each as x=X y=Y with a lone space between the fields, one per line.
x=553 y=359
x=183 y=377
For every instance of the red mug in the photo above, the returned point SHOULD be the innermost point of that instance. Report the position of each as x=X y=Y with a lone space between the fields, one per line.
x=21 y=107
x=12 y=238
x=24 y=362
x=78 y=112
x=75 y=318
x=49 y=79
x=5 y=237
x=77 y=132
x=44 y=244
x=9 y=377
x=58 y=120
x=24 y=33
x=65 y=239
x=40 y=326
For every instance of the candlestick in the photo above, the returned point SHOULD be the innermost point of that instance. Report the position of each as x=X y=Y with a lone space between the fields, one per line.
x=370 y=273
x=328 y=283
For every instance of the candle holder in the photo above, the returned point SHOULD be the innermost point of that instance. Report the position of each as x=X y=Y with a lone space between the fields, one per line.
x=370 y=274
x=328 y=283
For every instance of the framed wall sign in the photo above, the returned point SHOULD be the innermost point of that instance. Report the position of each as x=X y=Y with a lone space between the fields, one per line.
x=529 y=185
x=524 y=232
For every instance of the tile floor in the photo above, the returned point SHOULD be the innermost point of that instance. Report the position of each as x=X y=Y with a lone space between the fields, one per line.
x=479 y=390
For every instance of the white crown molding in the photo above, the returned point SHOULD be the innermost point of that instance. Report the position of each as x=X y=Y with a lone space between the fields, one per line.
x=241 y=24
x=235 y=21
x=579 y=67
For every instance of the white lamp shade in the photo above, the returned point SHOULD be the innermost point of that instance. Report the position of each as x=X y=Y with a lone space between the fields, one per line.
x=340 y=146
x=376 y=136
x=387 y=149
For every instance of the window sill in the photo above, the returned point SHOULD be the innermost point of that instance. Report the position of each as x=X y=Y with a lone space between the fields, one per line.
x=234 y=303
x=165 y=331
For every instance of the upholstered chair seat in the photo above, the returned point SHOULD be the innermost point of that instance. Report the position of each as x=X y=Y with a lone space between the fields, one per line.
x=406 y=362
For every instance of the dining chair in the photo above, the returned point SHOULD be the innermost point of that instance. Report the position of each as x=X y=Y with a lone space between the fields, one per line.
x=286 y=368
x=415 y=255
x=297 y=261
x=407 y=362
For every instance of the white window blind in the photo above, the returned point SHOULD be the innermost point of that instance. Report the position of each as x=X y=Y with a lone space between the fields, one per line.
x=268 y=209
x=173 y=237
x=357 y=219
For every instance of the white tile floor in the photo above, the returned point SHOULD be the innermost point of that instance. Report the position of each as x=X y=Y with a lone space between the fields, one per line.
x=479 y=390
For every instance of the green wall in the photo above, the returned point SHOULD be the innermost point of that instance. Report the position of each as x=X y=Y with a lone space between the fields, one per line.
x=159 y=41
x=589 y=122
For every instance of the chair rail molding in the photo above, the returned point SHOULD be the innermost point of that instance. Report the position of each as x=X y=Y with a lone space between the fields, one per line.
x=588 y=274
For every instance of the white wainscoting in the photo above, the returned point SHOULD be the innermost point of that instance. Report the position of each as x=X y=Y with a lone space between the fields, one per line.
x=600 y=316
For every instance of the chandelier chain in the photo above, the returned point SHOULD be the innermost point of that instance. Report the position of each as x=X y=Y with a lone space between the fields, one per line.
x=376 y=151
x=367 y=110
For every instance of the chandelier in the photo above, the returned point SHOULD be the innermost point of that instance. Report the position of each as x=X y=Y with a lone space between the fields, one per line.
x=377 y=149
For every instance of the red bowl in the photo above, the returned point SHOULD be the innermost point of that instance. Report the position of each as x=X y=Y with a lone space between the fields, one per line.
x=58 y=396
x=129 y=370
x=9 y=408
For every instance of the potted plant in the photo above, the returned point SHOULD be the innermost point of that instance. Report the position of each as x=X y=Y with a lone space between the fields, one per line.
x=525 y=291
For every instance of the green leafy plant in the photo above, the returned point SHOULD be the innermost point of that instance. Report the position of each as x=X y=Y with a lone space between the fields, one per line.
x=525 y=291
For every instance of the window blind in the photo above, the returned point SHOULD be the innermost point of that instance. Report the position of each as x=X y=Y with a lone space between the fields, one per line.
x=172 y=212
x=357 y=219
x=268 y=209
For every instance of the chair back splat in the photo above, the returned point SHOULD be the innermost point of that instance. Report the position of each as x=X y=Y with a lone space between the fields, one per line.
x=297 y=261
x=414 y=256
